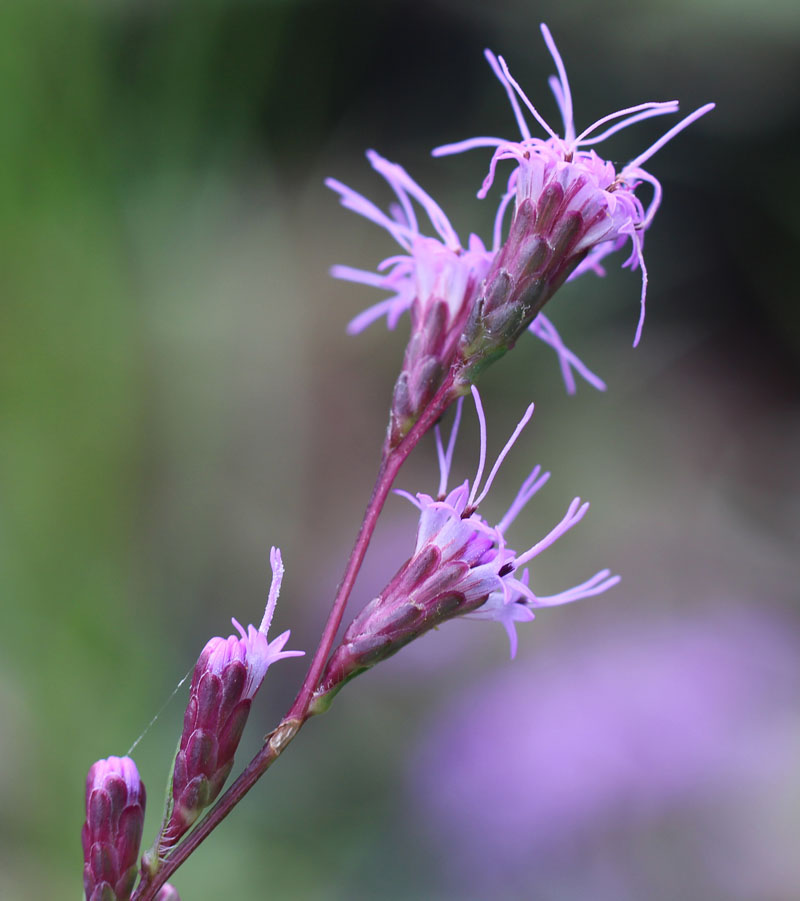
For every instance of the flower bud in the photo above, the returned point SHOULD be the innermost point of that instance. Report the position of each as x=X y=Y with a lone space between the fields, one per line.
x=226 y=677
x=112 y=833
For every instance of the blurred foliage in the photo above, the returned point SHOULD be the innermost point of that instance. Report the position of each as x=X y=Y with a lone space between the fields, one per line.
x=177 y=391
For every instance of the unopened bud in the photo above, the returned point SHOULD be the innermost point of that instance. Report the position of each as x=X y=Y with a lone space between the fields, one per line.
x=112 y=833
x=226 y=677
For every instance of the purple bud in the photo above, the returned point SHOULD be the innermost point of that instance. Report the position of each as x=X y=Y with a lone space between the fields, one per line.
x=112 y=833
x=168 y=893
x=226 y=677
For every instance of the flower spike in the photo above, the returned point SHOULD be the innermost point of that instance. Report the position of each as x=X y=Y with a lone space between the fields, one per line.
x=437 y=281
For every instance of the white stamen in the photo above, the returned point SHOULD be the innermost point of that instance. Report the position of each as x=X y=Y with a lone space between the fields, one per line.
x=276 y=562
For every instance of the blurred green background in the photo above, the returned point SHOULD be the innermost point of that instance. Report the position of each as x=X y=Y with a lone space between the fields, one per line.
x=178 y=394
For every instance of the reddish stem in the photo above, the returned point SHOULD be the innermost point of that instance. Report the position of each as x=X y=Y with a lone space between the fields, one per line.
x=293 y=721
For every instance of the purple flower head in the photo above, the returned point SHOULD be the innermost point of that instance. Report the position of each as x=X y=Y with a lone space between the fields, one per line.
x=226 y=677
x=572 y=208
x=435 y=280
x=461 y=566
x=112 y=833
x=433 y=270
x=168 y=893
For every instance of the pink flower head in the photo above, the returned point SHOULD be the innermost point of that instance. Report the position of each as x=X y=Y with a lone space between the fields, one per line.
x=432 y=270
x=226 y=677
x=451 y=523
x=461 y=566
x=575 y=203
x=435 y=280
x=112 y=833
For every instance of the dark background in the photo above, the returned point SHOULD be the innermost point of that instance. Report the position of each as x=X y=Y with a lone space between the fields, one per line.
x=178 y=394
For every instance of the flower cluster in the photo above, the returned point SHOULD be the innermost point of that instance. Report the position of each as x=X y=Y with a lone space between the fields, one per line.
x=571 y=210
x=226 y=677
x=461 y=566
x=468 y=304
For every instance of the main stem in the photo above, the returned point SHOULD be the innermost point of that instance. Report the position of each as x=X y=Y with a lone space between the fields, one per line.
x=293 y=721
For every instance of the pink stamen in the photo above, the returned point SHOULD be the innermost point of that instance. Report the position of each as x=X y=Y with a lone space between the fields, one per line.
x=468 y=144
x=482 y=456
x=527 y=490
x=598 y=583
x=558 y=92
x=521 y=123
x=524 y=97
x=544 y=329
x=566 y=98
x=354 y=201
x=401 y=492
x=655 y=203
x=637 y=242
x=451 y=445
x=358 y=323
x=684 y=123
x=573 y=516
x=648 y=110
x=399 y=177
x=503 y=453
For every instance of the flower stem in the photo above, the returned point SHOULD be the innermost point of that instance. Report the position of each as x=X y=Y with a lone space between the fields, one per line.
x=276 y=742
x=393 y=459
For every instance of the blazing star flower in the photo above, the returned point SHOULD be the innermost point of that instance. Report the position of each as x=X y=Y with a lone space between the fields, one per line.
x=461 y=566
x=572 y=208
x=226 y=677
x=436 y=281
x=112 y=833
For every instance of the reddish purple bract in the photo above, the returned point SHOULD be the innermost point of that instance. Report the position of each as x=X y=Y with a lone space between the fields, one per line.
x=226 y=677
x=112 y=833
